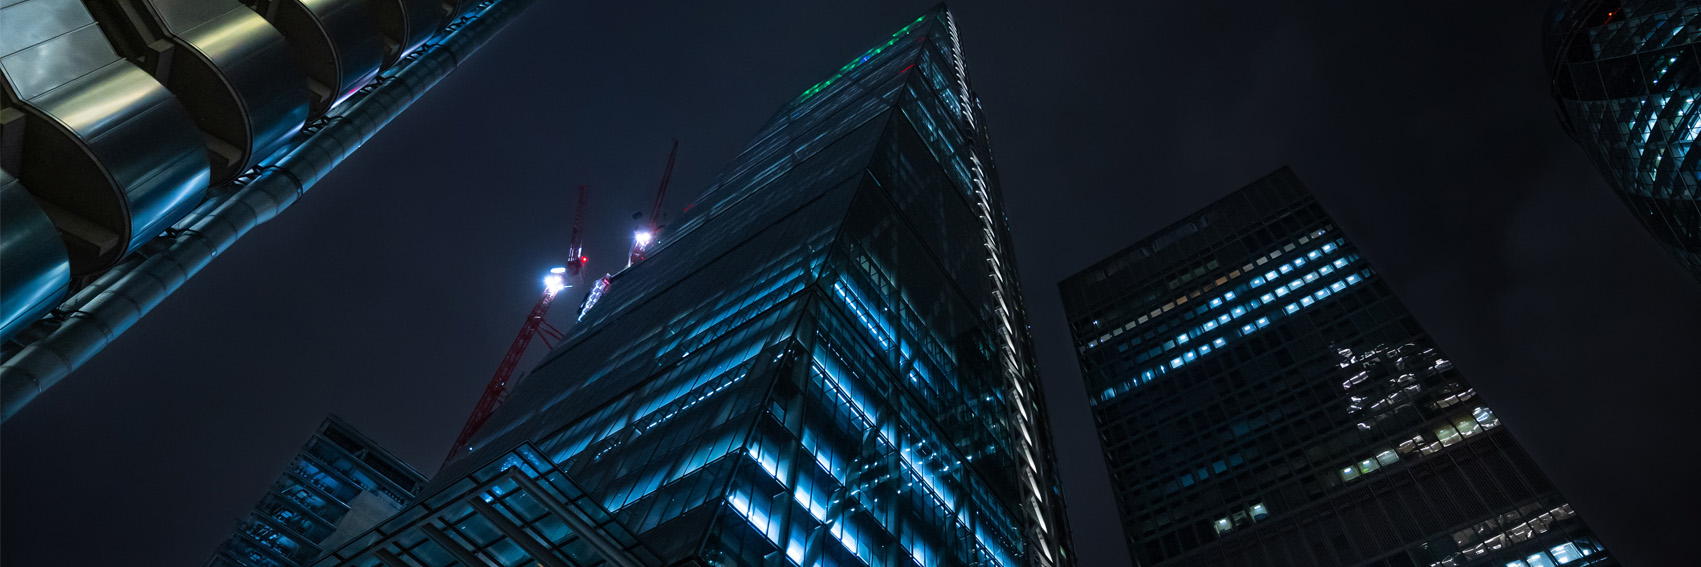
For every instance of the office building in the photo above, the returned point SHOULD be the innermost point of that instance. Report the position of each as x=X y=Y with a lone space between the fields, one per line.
x=823 y=361
x=340 y=485
x=1263 y=398
x=1626 y=77
x=139 y=139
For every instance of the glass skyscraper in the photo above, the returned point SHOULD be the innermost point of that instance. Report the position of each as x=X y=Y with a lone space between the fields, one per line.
x=1263 y=399
x=824 y=361
x=1626 y=76
x=340 y=485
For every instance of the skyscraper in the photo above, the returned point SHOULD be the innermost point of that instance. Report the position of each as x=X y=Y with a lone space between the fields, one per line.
x=823 y=361
x=1626 y=77
x=1263 y=399
x=340 y=485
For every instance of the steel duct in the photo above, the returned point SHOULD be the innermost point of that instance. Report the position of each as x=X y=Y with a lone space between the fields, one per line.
x=220 y=221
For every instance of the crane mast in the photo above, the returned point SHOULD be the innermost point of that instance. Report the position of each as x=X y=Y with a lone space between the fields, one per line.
x=558 y=279
x=646 y=233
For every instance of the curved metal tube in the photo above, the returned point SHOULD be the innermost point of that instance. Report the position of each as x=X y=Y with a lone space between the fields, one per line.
x=37 y=272
x=112 y=156
x=234 y=72
x=218 y=223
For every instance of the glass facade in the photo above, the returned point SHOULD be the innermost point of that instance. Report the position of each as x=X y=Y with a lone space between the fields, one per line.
x=341 y=484
x=1626 y=76
x=1263 y=399
x=823 y=361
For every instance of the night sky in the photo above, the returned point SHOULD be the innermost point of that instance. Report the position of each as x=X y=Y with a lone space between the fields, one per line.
x=389 y=293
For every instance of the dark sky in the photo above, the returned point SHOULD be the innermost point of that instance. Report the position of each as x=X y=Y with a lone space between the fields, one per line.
x=389 y=293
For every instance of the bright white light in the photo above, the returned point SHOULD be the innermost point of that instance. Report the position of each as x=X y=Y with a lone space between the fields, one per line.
x=554 y=282
x=642 y=237
x=558 y=270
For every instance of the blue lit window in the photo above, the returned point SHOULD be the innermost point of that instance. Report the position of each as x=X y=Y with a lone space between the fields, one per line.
x=1212 y=324
x=1341 y=262
x=1263 y=322
x=1338 y=286
x=1295 y=284
x=1315 y=254
x=1219 y=342
x=1190 y=356
x=1285 y=268
x=1258 y=281
x=1281 y=291
x=1292 y=307
x=1539 y=560
x=1306 y=301
x=1329 y=247
x=1247 y=330
x=1322 y=293
x=1217 y=302
x=1271 y=275
x=1181 y=339
x=1268 y=298
x=1310 y=277
x=1238 y=311
x=1175 y=363
x=1325 y=269
x=1566 y=553
x=1204 y=350
x=1223 y=319
x=1352 y=279
x=1228 y=296
x=1146 y=376
x=1297 y=262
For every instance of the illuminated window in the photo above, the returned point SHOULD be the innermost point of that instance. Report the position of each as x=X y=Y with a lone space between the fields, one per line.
x=1219 y=342
x=1565 y=553
x=1447 y=435
x=1223 y=526
x=1181 y=339
x=1517 y=563
x=1268 y=298
x=1348 y=474
x=1259 y=512
x=1486 y=417
x=1292 y=307
x=1340 y=262
x=1387 y=457
x=1539 y=560
x=1368 y=466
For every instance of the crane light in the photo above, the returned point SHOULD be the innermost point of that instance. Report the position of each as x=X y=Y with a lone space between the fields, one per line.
x=554 y=282
x=558 y=270
x=642 y=237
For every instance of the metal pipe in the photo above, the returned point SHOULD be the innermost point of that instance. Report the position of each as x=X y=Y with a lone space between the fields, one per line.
x=89 y=329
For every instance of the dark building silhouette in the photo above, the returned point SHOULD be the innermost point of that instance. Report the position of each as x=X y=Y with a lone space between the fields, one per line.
x=340 y=485
x=1263 y=399
x=823 y=361
x=1626 y=76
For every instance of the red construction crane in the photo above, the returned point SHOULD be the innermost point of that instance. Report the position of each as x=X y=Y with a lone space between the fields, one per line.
x=558 y=279
x=647 y=232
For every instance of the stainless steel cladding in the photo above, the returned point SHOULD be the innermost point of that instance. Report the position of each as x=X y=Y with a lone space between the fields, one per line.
x=406 y=24
x=229 y=67
x=107 y=305
x=37 y=273
x=110 y=154
x=337 y=43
